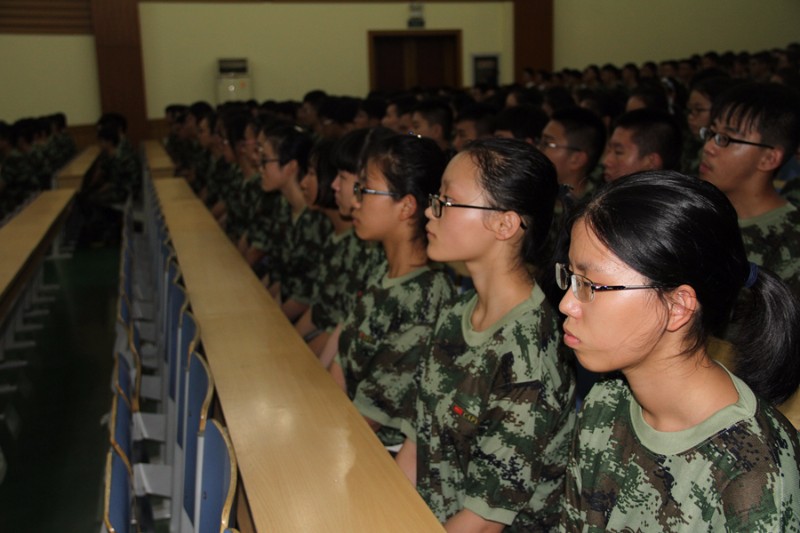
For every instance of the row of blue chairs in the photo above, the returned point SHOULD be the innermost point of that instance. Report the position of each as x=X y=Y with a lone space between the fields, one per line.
x=162 y=399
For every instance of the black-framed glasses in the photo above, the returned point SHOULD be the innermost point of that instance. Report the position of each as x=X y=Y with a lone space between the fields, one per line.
x=541 y=144
x=583 y=288
x=722 y=140
x=437 y=205
x=359 y=191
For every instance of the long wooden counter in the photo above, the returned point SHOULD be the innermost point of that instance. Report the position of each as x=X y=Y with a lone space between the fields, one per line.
x=70 y=176
x=307 y=459
x=24 y=242
x=158 y=160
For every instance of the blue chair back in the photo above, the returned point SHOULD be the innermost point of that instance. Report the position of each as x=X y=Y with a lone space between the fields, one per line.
x=201 y=389
x=117 y=498
x=218 y=486
x=188 y=342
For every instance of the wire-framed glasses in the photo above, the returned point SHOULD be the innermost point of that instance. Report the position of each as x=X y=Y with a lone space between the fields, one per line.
x=359 y=191
x=583 y=288
x=437 y=205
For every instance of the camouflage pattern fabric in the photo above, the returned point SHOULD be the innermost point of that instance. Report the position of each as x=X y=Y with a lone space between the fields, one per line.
x=495 y=414
x=791 y=191
x=737 y=471
x=239 y=203
x=383 y=340
x=40 y=165
x=772 y=240
x=18 y=180
x=60 y=149
x=201 y=165
x=343 y=273
x=300 y=255
x=215 y=180
x=264 y=214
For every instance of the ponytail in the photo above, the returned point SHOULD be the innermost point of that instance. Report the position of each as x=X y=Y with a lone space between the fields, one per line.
x=767 y=338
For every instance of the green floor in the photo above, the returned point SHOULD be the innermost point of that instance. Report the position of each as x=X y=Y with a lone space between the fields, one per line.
x=55 y=466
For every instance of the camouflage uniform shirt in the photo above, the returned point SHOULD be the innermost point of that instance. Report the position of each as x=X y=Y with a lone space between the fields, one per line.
x=736 y=471
x=495 y=413
x=300 y=256
x=348 y=263
x=383 y=340
x=772 y=240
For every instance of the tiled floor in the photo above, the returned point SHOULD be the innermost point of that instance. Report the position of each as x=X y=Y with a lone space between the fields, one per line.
x=54 y=479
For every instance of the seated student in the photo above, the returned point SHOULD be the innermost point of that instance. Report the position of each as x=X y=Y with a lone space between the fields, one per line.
x=196 y=153
x=314 y=324
x=337 y=116
x=218 y=166
x=375 y=108
x=116 y=173
x=644 y=139
x=521 y=122
x=31 y=135
x=702 y=93
x=61 y=146
x=556 y=98
x=345 y=268
x=229 y=208
x=573 y=140
x=308 y=113
x=16 y=177
x=755 y=128
x=386 y=334
x=488 y=444
x=398 y=114
x=649 y=94
x=203 y=167
x=434 y=119
x=295 y=255
x=474 y=121
x=681 y=443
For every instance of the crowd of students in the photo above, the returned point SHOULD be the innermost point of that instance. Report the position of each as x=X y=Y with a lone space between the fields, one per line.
x=455 y=258
x=31 y=149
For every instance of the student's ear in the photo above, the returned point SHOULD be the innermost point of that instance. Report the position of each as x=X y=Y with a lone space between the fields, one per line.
x=682 y=306
x=771 y=159
x=578 y=159
x=654 y=161
x=408 y=207
x=506 y=224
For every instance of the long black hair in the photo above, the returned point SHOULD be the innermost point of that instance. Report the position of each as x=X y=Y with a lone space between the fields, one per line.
x=675 y=230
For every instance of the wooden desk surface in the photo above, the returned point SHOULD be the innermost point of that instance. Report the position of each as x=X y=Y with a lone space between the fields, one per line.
x=71 y=175
x=307 y=459
x=172 y=190
x=25 y=239
x=158 y=160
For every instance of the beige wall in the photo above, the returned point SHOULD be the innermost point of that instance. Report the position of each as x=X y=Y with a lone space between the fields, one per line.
x=46 y=74
x=294 y=48
x=618 y=31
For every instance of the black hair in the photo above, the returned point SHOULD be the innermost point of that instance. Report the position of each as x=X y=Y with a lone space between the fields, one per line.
x=374 y=107
x=411 y=165
x=200 y=109
x=523 y=121
x=675 y=230
x=234 y=123
x=315 y=98
x=404 y=103
x=291 y=143
x=771 y=109
x=605 y=104
x=321 y=158
x=481 y=114
x=340 y=109
x=348 y=153
x=652 y=93
x=518 y=177
x=437 y=112
x=584 y=130
x=114 y=120
x=654 y=132
x=558 y=98
x=711 y=87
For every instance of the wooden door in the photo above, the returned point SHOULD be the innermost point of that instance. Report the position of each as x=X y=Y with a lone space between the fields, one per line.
x=401 y=60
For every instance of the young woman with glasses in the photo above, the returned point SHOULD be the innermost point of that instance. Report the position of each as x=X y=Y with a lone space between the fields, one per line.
x=495 y=407
x=679 y=443
x=387 y=332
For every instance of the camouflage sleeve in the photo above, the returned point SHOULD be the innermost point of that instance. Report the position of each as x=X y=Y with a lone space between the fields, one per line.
x=312 y=229
x=510 y=452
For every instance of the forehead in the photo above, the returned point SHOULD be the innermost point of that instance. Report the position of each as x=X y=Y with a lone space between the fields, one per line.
x=554 y=130
x=461 y=173
x=622 y=137
x=588 y=255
